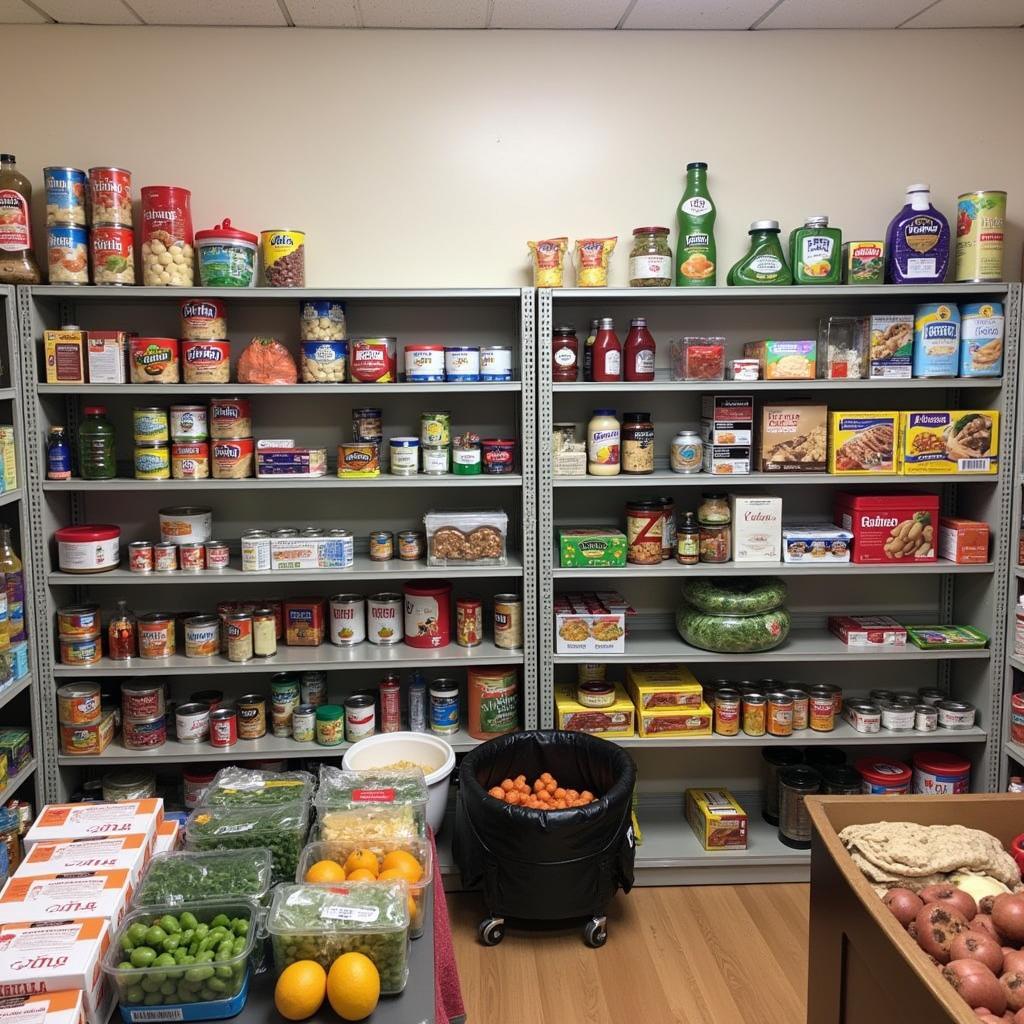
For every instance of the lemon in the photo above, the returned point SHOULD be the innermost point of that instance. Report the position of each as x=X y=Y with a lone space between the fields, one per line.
x=353 y=986
x=300 y=990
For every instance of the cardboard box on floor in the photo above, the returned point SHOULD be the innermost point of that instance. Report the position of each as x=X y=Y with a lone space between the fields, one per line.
x=863 y=968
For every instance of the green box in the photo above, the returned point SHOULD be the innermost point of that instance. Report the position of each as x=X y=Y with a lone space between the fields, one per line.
x=17 y=745
x=591 y=549
x=864 y=262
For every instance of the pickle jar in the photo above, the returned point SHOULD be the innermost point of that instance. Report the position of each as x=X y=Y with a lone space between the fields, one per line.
x=650 y=259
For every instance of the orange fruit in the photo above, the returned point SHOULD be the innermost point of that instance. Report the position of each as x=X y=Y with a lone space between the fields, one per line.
x=361 y=875
x=300 y=990
x=325 y=871
x=405 y=863
x=365 y=860
x=353 y=986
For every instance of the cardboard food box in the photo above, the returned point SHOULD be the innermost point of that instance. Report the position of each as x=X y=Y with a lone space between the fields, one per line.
x=66 y=895
x=8 y=457
x=63 y=957
x=65 y=356
x=613 y=722
x=92 y=821
x=675 y=722
x=793 y=438
x=890 y=345
x=108 y=356
x=964 y=541
x=886 y=525
x=291 y=461
x=51 y=857
x=582 y=548
x=863 y=443
x=949 y=441
x=64 y=1007
x=864 y=263
x=291 y=553
x=591 y=622
x=868 y=630
x=820 y=543
x=756 y=527
x=727 y=419
x=16 y=743
x=663 y=686
x=727 y=461
x=784 y=360
x=717 y=819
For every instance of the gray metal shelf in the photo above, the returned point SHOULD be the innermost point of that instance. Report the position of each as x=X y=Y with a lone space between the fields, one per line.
x=7 y=497
x=272 y=390
x=12 y=689
x=16 y=781
x=773 y=294
x=122 y=484
x=8 y=394
x=708 y=481
x=431 y=296
x=780 y=386
x=1015 y=751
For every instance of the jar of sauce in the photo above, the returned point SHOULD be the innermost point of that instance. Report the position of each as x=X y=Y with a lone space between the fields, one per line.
x=596 y=694
x=688 y=540
x=686 y=452
x=639 y=353
x=565 y=349
x=644 y=531
x=715 y=542
x=603 y=440
x=637 y=443
x=605 y=354
x=650 y=259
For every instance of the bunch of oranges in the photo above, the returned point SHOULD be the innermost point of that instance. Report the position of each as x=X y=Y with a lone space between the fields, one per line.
x=367 y=866
x=544 y=795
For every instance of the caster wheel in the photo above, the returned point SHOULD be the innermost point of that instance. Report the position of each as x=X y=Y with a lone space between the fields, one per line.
x=595 y=933
x=491 y=931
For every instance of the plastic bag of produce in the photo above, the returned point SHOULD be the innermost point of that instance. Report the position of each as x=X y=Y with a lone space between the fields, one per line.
x=187 y=876
x=376 y=805
x=235 y=786
x=732 y=634
x=743 y=596
x=266 y=361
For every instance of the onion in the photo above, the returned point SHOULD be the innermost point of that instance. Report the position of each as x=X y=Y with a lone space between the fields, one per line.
x=951 y=895
x=1008 y=917
x=970 y=945
x=976 y=985
x=1013 y=986
x=937 y=925
x=904 y=904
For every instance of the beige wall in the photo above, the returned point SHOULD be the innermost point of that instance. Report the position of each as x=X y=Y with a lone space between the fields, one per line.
x=428 y=158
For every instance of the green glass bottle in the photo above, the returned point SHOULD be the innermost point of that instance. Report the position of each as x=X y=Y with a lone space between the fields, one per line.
x=814 y=252
x=765 y=262
x=97 y=458
x=696 y=260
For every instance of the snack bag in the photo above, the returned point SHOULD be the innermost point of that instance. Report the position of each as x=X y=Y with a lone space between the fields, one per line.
x=548 y=262
x=267 y=361
x=592 y=261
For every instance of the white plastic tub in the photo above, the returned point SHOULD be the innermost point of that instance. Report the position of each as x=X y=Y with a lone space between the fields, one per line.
x=422 y=748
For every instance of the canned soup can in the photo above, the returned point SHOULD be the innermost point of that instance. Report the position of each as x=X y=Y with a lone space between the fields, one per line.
x=980 y=226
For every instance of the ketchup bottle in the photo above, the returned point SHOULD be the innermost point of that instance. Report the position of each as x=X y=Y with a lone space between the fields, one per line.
x=606 y=354
x=639 y=351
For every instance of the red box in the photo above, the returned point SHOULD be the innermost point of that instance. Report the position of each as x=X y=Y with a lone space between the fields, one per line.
x=963 y=540
x=876 y=519
x=868 y=630
x=304 y=619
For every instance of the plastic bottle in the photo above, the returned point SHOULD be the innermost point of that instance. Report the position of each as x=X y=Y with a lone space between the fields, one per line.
x=639 y=353
x=58 y=455
x=604 y=435
x=97 y=459
x=418 y=703
x=765 y=262
x=814 y=252
x=17 y=260
x=606 y=358
x=14 y=585
x=696 y=258
x=588 y=349
x=917 y=241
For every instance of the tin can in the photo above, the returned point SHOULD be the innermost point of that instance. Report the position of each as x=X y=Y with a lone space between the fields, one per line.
x=256 y=551
x=223 y=727
x=89 y=738
x=424 y=363
x=183 y=523
x=78 y=620
x=755 y=714
x=284 y=257
x=144 y=734
x=112 y=255
x=190 y=460
x=435 y=428
x=233 y=460
x=165 y=557
x=156 y=636
x=879 y=695
x=189 y=423
x=67 y=254
x=390 y=704
x=152 y=462
x=313 y=687
x=150 y=424
x=467 y=457
x=495 y=363
x=192 y=722
x=382 y=546
x=110 y=196
x=304 y=723
x=427 y=614
x=980 y=226
x=65 y=195
x=780 y=715
x=404 y=456
x=206 y=362
x=373 y=361
x=727 y=712
x=213 y=699
x=928 y=695
x=141 y=701
x=863 y=715
x=79 y=703
x=239 y=636
x=284 y=699
x=140 y=556
x=469 y=621
x=926 y=718
x=411 y=546
x=834 y=692
x=955 y=714
x=360 y=717
x=218 y=554
x=498 y=455
x=230 y=419
x=444 y=707
x=800 y=707
x=821 y=711
x=202 y=636
x=203 y=320
x=348 y=623
x=367 y=424
x=508 y=621
x=192 y=557
x=462 y=363
x=252 y=716
x=896 y=717
x=384 y=618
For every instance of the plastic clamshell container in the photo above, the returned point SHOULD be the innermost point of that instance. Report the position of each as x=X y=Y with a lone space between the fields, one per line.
x=466 y=537
x=371 y=806
x=188 y=876
x=280 y=828
x=339 y=852
x=132 y=986
x=215 y=1009
x=314 y=922
x=234 y=786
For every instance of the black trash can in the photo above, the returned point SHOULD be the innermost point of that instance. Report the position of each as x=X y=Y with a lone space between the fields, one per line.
x=546 y=865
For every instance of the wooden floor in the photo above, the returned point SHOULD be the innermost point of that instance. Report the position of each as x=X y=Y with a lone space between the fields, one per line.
x=699 y=955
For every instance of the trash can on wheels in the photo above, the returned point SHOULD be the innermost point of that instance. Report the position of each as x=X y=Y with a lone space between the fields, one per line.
x=546 y=865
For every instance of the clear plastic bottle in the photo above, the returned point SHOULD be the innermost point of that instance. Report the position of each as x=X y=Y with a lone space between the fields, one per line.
x=14 y=585
x=97 y=454
x=418 y=703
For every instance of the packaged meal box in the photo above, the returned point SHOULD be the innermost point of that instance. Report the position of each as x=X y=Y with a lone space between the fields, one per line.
x=793 y=438
x=663 y=686
x=91 y=821
x=590 y=623
x=168 y=835
x=889 y=526
x=612 y=722
x=863 y=263
x=964 y=541
x=16 y=743
x=54 y=856
x=373 y=805
x=62 y=958
x=863 y=443
x=950 y=441
x=312 y=922
x=820 y=543
x=717 y=819
x=187 y=876
x=868 y=630
x=890 y=345
x=69 y=894
x=236 y=786
x=932 y=638
x=584 y=548
x=64 y=1007
x=756 y=527
x=784 y=360
x=674 y=722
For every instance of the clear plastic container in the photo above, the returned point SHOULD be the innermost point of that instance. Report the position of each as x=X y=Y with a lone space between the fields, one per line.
x=187 y=876
x=312 y=922
x=181 y=983
x=472 y=536
x=372 y=806
x=339 y=853
x=843 y=351
x=244 y=787
x=280 y=828
x=696 y=358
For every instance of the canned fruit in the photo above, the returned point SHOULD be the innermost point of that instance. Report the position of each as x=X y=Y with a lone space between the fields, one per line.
x=284 y=257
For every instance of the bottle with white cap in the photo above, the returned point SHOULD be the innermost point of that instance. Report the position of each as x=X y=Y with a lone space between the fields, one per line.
x=917 y=242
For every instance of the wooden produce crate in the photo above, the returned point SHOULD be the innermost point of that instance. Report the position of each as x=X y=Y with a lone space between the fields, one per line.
x=863 y=968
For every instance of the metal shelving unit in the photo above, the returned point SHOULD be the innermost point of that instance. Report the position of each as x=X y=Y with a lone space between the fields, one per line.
x=975 y=594
x=314 y=415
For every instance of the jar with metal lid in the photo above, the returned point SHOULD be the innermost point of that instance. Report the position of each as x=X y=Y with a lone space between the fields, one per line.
x=239 y=636
x=688 y=540
x=367 y=425
x=715 y=543
x=591 y=672
x=644 y=531
x=565 y=352
x=780 y=715
x=796 y=783
x=467 y=454
x=382 y=546
x=841 y=780
x=650 y=259
x=686 y=452
x=264 y=632
x=304 y=723
x=755 y=714
x=773 y=761
x=637 y=436
x=714 y=509
x=727 y=712
x=596 y=694
x=129 y=784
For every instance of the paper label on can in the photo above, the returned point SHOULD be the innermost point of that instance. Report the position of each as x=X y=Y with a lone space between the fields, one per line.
x=423 y=626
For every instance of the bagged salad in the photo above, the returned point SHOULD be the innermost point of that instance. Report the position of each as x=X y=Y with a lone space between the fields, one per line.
x=235 y=786
x=188 y=876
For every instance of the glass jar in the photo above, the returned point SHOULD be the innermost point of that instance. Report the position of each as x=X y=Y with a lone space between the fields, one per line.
x=650 y=259
x=715 y=542
x=97 y=458
x=714 y=510
x=688 y=540
x=686 y=453
x=637 y=443
x=565 y=352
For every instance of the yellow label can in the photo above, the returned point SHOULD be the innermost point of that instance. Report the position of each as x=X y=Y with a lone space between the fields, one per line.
x=284 y=257
x=980 y=226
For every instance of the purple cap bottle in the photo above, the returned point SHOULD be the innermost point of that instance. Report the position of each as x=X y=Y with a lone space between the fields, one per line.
x=917 y=242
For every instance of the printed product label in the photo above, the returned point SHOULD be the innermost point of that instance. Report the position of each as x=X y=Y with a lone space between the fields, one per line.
x=696 y=206
x=15 y=226
x=566 y=356
x=649 y=267
x=499 y=710
x=365 y=915
x=922 y=234
x=766 y=264
x=146 y=1016
x=644 y=361
x=612 y=363
x=604 y=447
x=920 y=267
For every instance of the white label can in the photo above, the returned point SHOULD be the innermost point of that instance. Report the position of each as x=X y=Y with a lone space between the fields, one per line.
x=495 y=362
x=384 y=614
x=186 y=524
x=256 y=551
x=348 y=621
x=463 y=363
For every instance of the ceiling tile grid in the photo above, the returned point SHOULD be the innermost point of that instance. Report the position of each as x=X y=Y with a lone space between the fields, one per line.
x=696 y=14
x=87 y=12
x=843 y=14
x=259 y=13
x=970 y=14
x=14 y=12
x=323 y=13
x=567 y=14
x=424 y=13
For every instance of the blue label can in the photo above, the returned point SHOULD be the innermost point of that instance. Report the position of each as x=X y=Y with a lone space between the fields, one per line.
x=65 y=195
x=462 y=363
x=444 y=707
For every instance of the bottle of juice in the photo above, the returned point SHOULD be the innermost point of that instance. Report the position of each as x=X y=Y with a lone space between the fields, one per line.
x=696 y=260
x=14 y=585
x=917 y=242
x=814 y=252
x=765 y=262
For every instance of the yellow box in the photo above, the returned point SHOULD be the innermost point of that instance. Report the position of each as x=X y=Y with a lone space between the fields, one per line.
x=949 y=441
x=10 y=462
x=717 y=819
x=613 y=722
x=664 y=686
x=65 y=357
x=681 y=722
x=863 y=443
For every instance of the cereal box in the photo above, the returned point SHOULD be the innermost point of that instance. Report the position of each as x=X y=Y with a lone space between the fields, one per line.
x=964 y=541
x=67 y=895
x=717 y=819
x=580 y=548
x=65 y=1007
x=864 y=263
x=677 y=722
x=65 y=357
x=890 y=345
x=663 y=686
x=863 y=443
x=793 y=438
x=614 y=721
x=93 y=821
x=949 y=441
x=889 y=527
x=784 y=360
x=54 y=856
x=8 y=457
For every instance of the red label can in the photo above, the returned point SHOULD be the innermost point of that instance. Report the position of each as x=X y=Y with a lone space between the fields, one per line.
x=112 y=255
x=427 y=615
x=206 y=362
x=372 y=361
x=140 y=556
x=165 y=557
x=469 y=621
x=499 y=455
x=166 y=215
x=223 y=727
x=390 y=704
x=203 y=319
x=110 y=196
x=230 y=418
x=193 y=556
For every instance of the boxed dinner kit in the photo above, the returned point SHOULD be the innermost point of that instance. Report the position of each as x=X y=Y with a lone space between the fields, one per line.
x=49 y=857
x=820 y=543
x=717 y=819
x=65 y=356
x=793 y=438
x=727 y=429
x=591 y=548
x=756 y=527
x=887 y=527
x=890 y=345
x=614 y=721
x=863 y=443
x=591 y=623
x=675 y=722
x=108 y=356
x=282 y=458
x=784 y=360
x=868 y=630
x=663 y=686
x=964 y=541
x=62 y=896
x=93 y=821
x=949 y=441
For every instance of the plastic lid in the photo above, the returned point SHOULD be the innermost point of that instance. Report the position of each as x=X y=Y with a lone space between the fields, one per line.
x=225 y=230
x=372 y=907
x=347 y=789
x=650 y=231
x=886 y=773
x=95 y=410
x=801 y=776
x=939 y=761
x=83 y=534
x=603 y=412
x=328 y=712
x=919 y=187
x=763 y=225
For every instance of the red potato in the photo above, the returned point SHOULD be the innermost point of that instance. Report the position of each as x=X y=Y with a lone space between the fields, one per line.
x=971 y=945
x=1013 y=986
x=938 y=924
x=983 y=923
x=904 y=905
x=1013 y=959
x=976 y=985
x=951 y=895
x=1008 y=917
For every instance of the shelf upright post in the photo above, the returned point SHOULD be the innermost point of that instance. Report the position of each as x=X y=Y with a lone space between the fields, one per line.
x=545 y=506
x=528 y=502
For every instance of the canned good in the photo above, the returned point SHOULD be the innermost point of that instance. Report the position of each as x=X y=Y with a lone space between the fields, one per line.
x=256 y=551
x=304 y=723
x=360 y=716
x=435 y=428
x=150 y=424
x=462 y=363
x=239 y=636
x=192 y=722
x=467 y=456
x=727 y=712
x=79 y=703
x=444 y=707
x=284 y=257
x=405 y=456
x=930 y=696
x=348 y=622
x=755 y=714
x=129 y=785
x=424 y=363
x=65 y=195
x=202 y=636
x=189 y=423
x=508 y=621
x=434 y=459
x=322 y=320
x=469 y=621
x=955 y=714
x=264 y=634
x=230 y=419
x=112 y=255
x=644 y=531
x=78 y=620
x=411 y=546
x=87 y=738
x=140 y=556
x=373 y=361
x=795 y=784
x=156 y=636
x=233 y=460
x=880 y=776
x=498 y=455
x=212 y=698
x=139 y=701
x=223 y=727
x=980 y=227
x=879 y=695
x=390 y=704
x=252 y=716
x=67 y=254
x=863 y=715
x=427 y=614
x=313 y=687
x=183 y=523
x=926 y=718
x=821 y=711
x=384 y=617
x=829 y=690
x=800 y=702
x=218 y=554
x=382 y=546
x=204 y=320
x=192 y=557
x=110 y=196
x=152 y=462
x=939 y=773
x=190 y=460
x=206 y=362
x=896 y=717
x=359 y=458
x=85 y=549
x=144 y=734
x=495 y=363
x=780 y=715
x=165 y=557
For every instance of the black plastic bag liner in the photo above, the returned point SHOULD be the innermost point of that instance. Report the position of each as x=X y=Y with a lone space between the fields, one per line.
x=543 y=865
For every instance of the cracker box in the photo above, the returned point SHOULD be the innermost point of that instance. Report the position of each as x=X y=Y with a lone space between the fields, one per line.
x=868 y=630
x=890 y=345
x=863 y=443
x=717 y=819
x=168 y=834
x=108 y=356
x=864 y=263
x=94 y=821
x=613 y=722
x=756 y=527
x=793 y=438
x=949 y=441
x=60 y=958
x=675 y=722
x=964 y=541
x=889 y=527
x=727 y=419
x=784 y=360
x=65 y=356
x=291 y=461
x=816 y=543
x=724 y=460
x=67 y=895
x=65 y=1007
x=52 y=857
x=583 y=548
x=663 y=686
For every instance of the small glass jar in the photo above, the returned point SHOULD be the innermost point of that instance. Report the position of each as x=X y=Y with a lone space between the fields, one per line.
x=714 y=509
x=264 y=632
x=715 y=542
x=565 y=351
x=688 y=540
x=382 y=546
x=637 y=443
x=650 y=259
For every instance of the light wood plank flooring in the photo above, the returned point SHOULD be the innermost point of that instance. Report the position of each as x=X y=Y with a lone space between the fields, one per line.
x=699 y=955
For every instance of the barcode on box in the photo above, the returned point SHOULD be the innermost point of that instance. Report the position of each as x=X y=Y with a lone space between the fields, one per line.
x=973 y=465
x=157 y=1015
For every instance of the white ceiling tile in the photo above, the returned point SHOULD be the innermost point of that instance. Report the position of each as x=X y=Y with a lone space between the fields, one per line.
x=842 y=13
x=557 y=13
x=696 y=14
x=424 y=13
x=210 y=12
x=324 y=13
x=88 y=12
x=970 y=14
x=14 y=12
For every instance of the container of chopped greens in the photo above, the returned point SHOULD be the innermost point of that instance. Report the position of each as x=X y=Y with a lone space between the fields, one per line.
x=280 y=828
x=191 y=964
x=371 y=806
x=188 y=876
x=234 y=786
x=409 y=858
x=311 y=922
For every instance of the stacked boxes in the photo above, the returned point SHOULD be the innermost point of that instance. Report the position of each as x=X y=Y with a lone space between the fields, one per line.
x=727 y=428
x=613 y=722
x=59 y=822
x=56 y=856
